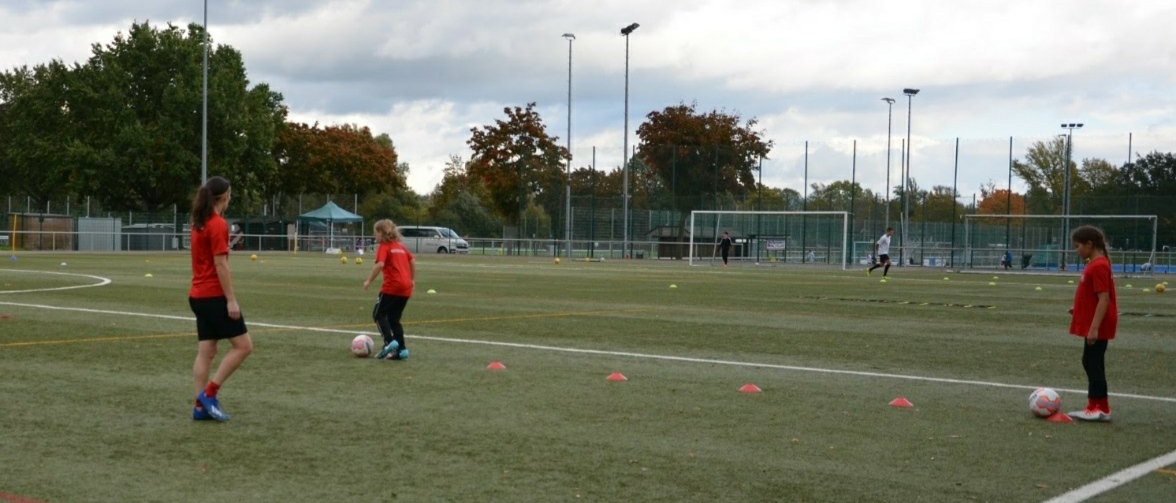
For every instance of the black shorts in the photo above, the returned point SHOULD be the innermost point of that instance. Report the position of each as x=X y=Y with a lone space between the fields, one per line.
x=212 y=319
x=883 y=258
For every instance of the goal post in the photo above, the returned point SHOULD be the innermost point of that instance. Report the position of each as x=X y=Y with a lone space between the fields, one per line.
x=1042 y=242
x=800 y=237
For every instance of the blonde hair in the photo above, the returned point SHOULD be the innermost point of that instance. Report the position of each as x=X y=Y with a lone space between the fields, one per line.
x=386 y=231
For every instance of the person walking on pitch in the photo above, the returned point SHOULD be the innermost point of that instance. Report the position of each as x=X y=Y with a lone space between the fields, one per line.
x=725 y=246
x=882 y=250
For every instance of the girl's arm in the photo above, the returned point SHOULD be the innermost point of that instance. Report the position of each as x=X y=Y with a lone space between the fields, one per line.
x=412 y=270
x=226 y=282
x=372 y=276
x=1100 y=311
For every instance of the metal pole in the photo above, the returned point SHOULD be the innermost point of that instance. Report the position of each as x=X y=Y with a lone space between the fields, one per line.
x=889 y=121
x=804 y=207
x=204 y=107
x=902 y=203
x=910 y=99
x=568 y=171
x=1066 y=203
x=1009 y=202
x=625 y=155
x=954 y=183
x=592 y=221
x=852 y=198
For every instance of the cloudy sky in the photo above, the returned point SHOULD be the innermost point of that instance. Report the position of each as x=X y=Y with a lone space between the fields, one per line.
x=809 y=70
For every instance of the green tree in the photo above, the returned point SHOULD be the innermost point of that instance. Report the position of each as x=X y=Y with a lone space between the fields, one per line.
x=39 y=150
x=1148 y=185
x=938 y=205
x=141 y=110
x=518 y=163
x=458 y=202
x=695 y=153
x=837 y=196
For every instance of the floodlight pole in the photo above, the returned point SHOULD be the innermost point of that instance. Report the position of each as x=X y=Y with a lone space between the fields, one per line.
x=910 y=93
x=889 y=121
x=1066 y=189
x=568 y=170
x=204 y=106
x=625 y=154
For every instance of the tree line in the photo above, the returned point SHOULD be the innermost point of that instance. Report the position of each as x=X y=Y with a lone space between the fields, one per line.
x=124 y=126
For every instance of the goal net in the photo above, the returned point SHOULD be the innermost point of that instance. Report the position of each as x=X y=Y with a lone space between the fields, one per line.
x=1042 y=242
x=759 y=237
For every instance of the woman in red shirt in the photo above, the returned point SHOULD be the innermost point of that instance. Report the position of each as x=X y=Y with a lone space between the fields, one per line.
x=395 y=262
x=218 y=316
x=1095 y=318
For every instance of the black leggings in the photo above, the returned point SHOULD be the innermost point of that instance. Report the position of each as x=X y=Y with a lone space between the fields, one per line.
x=1094 y=363
x=725 y=255
x=387 y=314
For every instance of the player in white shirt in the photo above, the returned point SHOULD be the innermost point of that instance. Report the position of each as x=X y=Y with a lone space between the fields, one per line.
x=882 y=249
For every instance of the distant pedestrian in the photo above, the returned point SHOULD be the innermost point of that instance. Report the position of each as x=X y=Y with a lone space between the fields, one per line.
x=725 y=247
x=882 y=250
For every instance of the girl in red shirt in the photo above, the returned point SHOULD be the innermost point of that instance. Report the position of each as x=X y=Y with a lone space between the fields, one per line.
x=211 y=297
x=395 y=262
x=1095 y=318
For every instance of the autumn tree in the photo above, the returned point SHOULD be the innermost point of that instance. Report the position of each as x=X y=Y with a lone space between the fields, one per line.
x=694 y=153
x=518 y=163
x=344 y=159
x=999 y=201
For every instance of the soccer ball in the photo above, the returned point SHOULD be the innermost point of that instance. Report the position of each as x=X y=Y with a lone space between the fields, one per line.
x=362 y=346
x=1044 y=402
x=1160 y=288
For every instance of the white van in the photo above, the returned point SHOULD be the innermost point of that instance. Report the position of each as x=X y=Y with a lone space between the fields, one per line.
x=424 y=239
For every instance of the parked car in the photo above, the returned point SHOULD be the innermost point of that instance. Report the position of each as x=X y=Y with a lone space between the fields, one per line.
x=426 y=239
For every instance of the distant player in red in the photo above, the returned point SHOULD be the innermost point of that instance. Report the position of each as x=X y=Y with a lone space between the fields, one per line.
x=396 y=264
x=1095 y=318
x=211 y=297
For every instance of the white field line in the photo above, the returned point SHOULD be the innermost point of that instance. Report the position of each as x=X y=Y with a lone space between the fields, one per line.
x=101 y=281
x=646 y=356
x=1119 y=478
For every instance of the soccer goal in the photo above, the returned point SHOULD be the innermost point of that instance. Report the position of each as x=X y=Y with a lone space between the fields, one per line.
x=759 y=237
x=1042 y=242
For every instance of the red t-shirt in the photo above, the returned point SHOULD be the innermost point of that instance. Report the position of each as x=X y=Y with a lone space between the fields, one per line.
x=207 y=243
x=397 y=269
x=1096 y=278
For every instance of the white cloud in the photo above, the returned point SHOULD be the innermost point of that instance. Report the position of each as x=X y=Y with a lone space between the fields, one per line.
x=425 y=72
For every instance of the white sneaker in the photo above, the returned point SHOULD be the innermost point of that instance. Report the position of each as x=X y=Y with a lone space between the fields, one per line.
x=1091 y=415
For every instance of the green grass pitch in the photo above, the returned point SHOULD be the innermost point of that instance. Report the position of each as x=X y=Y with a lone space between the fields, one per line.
x=96 y=385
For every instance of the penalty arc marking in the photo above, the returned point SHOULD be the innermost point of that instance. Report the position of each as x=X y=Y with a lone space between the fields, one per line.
x=101 y=281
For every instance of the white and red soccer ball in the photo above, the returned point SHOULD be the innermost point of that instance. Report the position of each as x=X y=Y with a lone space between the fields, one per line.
x=362 y=346
x=1044 y=402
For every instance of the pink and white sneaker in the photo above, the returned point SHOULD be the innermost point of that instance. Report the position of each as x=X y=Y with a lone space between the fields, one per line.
x=1091 y=415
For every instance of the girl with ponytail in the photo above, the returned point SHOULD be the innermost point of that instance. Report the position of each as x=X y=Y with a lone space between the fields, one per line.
x=1095 y=318
x=211 y=297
